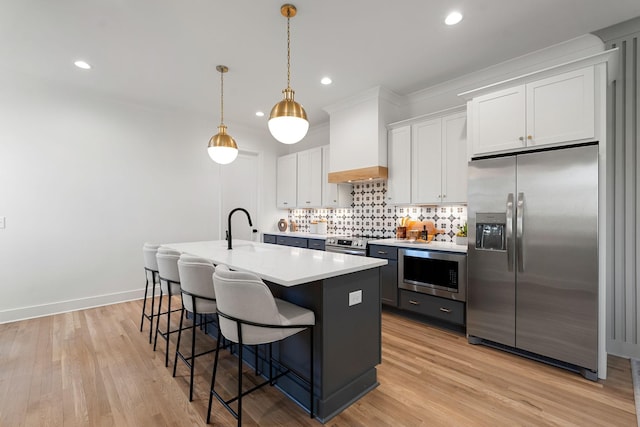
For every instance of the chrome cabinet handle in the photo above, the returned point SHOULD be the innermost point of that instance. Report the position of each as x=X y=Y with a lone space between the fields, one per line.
x=509 y=232
x=413 y=302
x=445 y=310
x=520 y=231
x=521 y=138
x=382 y=253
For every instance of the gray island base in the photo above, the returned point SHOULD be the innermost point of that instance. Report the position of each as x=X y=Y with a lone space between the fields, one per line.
x=347 y=344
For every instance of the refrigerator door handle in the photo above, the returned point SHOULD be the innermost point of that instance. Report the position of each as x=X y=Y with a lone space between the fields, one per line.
x=520 y=231
x=509 y=231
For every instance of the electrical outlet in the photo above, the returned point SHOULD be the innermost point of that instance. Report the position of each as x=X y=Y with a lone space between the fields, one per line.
x=355 y=297
x=2 y=222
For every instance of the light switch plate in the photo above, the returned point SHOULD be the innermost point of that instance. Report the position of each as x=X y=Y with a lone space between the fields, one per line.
x=355 y=297
x=2 y=222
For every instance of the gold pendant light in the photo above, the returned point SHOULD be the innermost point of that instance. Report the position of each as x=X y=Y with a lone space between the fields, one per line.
x=222 y=147
x=288 y=121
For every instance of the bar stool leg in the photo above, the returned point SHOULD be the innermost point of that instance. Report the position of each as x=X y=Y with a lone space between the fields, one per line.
x=193 y=352
x=166 y=352
x=155 y=341
x=144 y=302
x=153 y=301
x=175 y=360
x=213 y=376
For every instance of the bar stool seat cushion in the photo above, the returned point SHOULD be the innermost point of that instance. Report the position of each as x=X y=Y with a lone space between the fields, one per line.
x=247 y=297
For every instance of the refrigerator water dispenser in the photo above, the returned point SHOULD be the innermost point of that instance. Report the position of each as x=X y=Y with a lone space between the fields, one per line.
x=491 y=231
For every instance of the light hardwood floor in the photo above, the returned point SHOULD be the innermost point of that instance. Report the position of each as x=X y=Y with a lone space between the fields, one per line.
x=94 y=368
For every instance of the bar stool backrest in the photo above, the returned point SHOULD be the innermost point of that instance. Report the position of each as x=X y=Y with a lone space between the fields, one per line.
x=168 y=268
x=246 y=297
x=149 y=251
x=196 y=278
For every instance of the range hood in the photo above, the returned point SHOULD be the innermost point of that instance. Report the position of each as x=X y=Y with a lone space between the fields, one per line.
x=358 y=135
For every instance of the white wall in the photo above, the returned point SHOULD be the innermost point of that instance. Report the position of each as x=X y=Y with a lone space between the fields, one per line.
x=86 y=180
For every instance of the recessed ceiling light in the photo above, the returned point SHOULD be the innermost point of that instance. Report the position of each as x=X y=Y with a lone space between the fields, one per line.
x=82 y=64
x=259 y=114
x=453 y=18
x=326 y=81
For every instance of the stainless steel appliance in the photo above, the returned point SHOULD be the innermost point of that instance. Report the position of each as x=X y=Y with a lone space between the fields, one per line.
x=533 y=255
x=354 y=245
x=443 y=274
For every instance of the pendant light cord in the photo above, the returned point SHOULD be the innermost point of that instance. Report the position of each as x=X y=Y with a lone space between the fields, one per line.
x=221 y=98
x=288 y=51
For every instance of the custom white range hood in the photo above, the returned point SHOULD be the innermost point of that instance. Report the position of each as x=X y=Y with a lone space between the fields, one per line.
x=358 y=135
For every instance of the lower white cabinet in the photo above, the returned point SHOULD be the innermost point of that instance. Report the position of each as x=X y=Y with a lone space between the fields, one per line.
x=428 y=161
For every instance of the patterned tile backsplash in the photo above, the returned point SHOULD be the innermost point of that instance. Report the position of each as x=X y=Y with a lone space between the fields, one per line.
x=370 y=215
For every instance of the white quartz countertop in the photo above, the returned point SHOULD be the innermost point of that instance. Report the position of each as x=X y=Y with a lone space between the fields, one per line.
x=283 y=265
x=299 y=234
x=432 y=246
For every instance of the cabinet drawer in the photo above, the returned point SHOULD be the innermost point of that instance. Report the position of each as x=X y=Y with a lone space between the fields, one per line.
x=439 y=308
x=297 y=242
x=317 y=244
x=269 y=238
x=380 y=251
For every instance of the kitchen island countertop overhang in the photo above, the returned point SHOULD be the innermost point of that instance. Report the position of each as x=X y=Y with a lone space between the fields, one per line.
x=283 y=265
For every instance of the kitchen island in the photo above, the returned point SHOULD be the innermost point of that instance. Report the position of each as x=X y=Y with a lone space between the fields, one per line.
x=347 y=337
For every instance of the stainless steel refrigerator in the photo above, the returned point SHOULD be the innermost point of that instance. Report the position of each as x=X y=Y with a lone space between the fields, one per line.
x=533 y=255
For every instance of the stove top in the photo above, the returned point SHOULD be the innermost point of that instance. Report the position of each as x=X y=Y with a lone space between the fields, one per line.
x=349 y=241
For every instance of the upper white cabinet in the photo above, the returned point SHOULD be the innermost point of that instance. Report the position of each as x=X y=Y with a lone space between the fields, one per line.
x=428 y=161
x=399 y=163
x=286 y=181
x=333 y=195
x=310 y=178
x=552 y=110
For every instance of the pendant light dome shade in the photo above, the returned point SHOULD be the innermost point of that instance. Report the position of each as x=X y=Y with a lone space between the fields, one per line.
x=222 y=147
x=288 y=121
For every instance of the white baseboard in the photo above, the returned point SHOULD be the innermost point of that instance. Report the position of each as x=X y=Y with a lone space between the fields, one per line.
x=23 y=313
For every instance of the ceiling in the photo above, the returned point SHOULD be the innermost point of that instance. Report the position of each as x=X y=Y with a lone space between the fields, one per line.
x=165 y=52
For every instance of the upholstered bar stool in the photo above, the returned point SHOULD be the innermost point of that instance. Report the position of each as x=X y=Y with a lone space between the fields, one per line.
x=169 y=286
x=248 y=314
x=149 y=251
x=199 y=298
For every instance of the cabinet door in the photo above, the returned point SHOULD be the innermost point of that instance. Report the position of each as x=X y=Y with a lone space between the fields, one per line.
x=310 y=178
x=333 y=195
x=399 y=160
x=286 y=181
x=498 y=121
x=426 y=162
x=561 y=108
x=454 y=158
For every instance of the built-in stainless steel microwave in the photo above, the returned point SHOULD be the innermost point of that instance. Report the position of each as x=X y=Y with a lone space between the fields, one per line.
x=443 y=274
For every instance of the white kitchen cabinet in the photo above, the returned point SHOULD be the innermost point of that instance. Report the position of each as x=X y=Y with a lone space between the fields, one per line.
x=428 y=161
x=454 y=158
x=439 y=160
x=309 y=193
x=333 y=195
x=399 y=161
x=287 y=181
x=553 y=110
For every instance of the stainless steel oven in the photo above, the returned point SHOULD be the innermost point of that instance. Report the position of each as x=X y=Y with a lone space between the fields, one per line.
x=352 y=245
x=443 y=274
